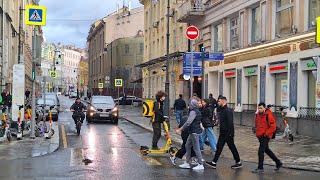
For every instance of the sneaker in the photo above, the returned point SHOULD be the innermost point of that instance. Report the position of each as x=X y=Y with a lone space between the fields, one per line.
x=198 y=167
x=173 y=160
x=278 y=166
x=212 y=164
x=185 y=165
x=237 y=165
x=258 y=171
x=194 y=162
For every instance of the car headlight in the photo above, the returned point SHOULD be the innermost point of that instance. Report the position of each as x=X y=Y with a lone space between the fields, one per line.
x=115 y=109
x=92 y=108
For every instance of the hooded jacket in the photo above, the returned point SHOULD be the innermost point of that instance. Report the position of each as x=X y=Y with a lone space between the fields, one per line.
x=265 y=127
x=194 y=118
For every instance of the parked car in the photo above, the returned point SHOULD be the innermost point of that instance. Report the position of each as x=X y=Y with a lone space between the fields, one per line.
x=129 y=100
x=102 y=108
x=73 y=94
x=46 y=104
x=52 y=96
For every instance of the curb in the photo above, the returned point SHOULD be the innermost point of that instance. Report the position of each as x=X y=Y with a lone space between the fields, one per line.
x=174 y=140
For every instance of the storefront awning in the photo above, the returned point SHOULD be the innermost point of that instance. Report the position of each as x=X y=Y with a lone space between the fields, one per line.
x=159 y=59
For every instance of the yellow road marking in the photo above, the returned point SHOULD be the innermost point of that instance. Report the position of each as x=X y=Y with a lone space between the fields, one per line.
x=152 y=161
x=64 y=137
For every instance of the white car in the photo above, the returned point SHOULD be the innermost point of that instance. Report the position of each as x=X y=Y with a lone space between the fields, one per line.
x=73 y=95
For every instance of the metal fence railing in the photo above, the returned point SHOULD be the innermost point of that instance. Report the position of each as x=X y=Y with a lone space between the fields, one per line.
x=309 y=113
x=249 y=107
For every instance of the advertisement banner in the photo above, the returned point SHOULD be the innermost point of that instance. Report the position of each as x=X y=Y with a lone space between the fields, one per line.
x=284 y=93
x=18 y=90
x=318 y=95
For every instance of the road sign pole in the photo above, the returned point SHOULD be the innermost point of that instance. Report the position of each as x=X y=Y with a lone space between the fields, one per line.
x=33 y=120
x=118 y=94
x=203 y=76
x=191 y=70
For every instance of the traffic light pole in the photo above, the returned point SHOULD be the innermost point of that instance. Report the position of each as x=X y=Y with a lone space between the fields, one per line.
x=167 y=90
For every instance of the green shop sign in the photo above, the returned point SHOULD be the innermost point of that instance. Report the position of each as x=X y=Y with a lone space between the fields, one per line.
x=309 y=65
x=251 y=71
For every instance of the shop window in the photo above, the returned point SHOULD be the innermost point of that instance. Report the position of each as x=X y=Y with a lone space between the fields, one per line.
x=284 y=17
x=314 y=12
x=126 y=49
x=252 y=89
x=281 y=89
x=312 y=78
x=232 y=90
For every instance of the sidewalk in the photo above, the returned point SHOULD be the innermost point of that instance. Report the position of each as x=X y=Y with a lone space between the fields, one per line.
x=27 y=147
x=302 y=154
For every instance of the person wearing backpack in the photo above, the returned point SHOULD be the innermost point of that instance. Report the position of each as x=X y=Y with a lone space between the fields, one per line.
x=265 y=128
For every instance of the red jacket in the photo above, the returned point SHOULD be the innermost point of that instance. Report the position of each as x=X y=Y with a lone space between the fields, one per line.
x=264 y=127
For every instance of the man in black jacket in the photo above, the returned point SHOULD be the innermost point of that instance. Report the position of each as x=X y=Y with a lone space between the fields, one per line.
x=158 y=119
x=179 y=106
x=225 y=116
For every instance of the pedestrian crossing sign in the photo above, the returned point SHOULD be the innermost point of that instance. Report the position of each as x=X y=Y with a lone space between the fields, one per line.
x=100 y=85
x=118 y=82
x=35 y=15
x=53 y=74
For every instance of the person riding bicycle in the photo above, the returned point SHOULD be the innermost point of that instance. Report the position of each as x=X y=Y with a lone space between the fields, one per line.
x=78 y=107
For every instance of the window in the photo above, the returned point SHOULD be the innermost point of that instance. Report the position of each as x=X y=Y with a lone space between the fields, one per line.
x=255 y=28
x=234 y=33
x=314 y=12
x=126 y=49
x=218 y=38
x=284 y=17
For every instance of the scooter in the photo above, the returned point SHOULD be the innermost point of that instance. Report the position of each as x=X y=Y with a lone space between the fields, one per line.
x=4 y=126
x=50 y=133
x=167 y=148
x=20 y=130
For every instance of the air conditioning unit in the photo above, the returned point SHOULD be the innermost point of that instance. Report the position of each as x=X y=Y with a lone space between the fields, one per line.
x=155 y=24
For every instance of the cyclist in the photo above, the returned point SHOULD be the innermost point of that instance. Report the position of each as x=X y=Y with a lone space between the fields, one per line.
x=78 y=107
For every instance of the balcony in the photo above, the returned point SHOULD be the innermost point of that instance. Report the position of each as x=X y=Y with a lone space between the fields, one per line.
x=190 y=11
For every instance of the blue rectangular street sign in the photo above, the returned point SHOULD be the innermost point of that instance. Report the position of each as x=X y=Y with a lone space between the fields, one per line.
x=197 y=64
x=216 y=57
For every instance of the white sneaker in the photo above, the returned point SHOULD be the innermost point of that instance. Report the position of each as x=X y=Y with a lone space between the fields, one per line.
x=173 y=160
x=198 y=167
x=185 y=165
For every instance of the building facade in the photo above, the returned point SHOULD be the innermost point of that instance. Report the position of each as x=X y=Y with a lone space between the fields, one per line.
x=270 y=54
x=103 y=35
x=155 y=45
x=83 y=75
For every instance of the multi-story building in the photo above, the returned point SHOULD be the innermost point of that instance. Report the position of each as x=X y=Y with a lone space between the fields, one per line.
x=270 y=54
x=103 y=35
x=83 y=74
x=70 y=67
x=155 y=45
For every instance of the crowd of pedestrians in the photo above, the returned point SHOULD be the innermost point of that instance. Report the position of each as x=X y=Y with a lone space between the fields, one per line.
x=196 y=124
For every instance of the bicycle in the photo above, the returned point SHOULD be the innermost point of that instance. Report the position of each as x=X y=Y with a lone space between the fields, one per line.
x=4 y=126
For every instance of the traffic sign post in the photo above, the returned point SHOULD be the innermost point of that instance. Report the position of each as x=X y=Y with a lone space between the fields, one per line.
x=53 y=74
x=35 y=16
x=118 y=83
x=192 y=33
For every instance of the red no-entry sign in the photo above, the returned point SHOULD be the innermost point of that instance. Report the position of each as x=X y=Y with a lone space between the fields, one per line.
x=192 y=32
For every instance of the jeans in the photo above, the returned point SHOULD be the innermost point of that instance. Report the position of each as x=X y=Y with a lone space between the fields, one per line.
x=193 y=142
x=230 y=142
x=264 y=148
x=208 y=133
x=156 y=133
x=179 y=114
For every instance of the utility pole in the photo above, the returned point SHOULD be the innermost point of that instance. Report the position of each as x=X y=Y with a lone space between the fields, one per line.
x=20 y=49
x=167 y=83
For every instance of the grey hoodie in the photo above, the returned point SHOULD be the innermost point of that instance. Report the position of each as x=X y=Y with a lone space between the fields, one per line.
x=193 y=107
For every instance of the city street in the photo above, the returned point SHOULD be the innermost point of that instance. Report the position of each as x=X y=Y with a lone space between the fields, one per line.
x=107 y=151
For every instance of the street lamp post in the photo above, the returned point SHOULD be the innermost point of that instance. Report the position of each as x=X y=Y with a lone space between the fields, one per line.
x=167 y=90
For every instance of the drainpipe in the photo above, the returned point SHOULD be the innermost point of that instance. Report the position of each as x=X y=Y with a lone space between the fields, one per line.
x=2 y=44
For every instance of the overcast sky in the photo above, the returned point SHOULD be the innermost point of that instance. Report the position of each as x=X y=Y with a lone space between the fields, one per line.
x=63 y=15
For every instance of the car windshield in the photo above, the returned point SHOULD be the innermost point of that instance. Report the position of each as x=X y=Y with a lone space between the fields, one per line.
x=49 y=102
x=103 y=100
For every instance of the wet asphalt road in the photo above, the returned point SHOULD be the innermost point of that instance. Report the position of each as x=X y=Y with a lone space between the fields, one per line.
x=114 y=152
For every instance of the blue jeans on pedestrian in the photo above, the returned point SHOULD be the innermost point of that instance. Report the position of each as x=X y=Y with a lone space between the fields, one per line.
x=208 y=133
x=179 y=114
